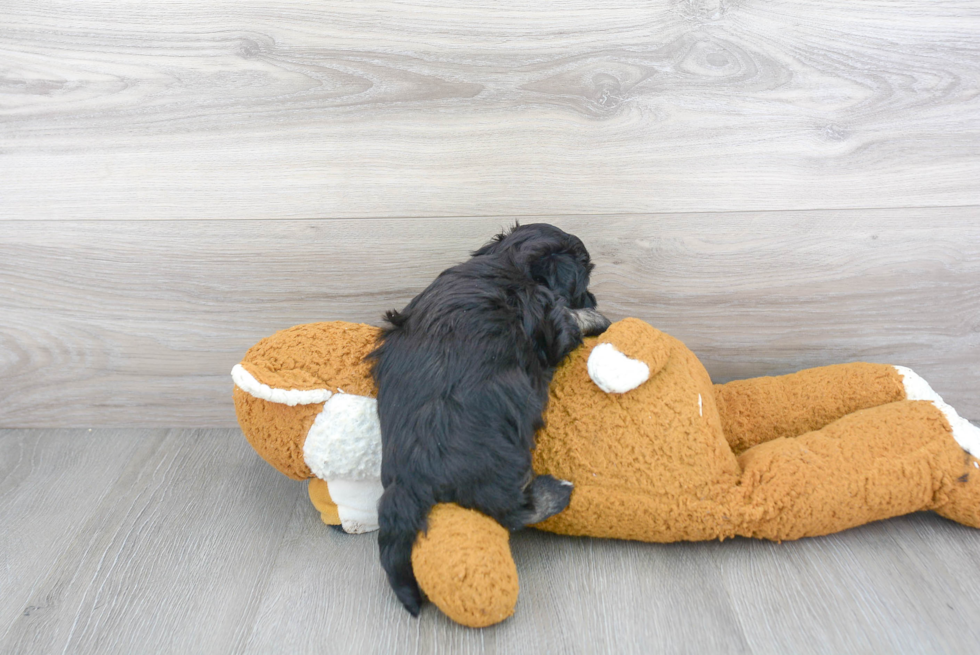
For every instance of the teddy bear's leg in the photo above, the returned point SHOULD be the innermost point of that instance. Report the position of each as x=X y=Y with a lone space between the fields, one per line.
x=757 y=410
x=869 y=465
x=463 y=564
x=962 y=503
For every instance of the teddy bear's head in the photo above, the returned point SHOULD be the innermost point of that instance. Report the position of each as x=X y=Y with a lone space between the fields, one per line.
x=305 y=400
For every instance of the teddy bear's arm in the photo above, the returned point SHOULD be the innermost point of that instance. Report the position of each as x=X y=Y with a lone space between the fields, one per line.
x=627 y=354
x=757 y=410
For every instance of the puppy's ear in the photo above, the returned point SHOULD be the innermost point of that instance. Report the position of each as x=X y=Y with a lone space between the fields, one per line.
x=552 y=328
x=555 y=270
x=564 y=268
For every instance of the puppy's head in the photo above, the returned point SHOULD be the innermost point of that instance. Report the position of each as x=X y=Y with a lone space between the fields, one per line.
x=550 y=257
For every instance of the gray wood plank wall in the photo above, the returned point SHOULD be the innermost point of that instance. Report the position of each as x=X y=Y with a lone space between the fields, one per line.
x=780 y=185
x=272 y=109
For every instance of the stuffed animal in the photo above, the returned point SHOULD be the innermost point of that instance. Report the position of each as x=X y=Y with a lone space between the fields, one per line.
x=655 y=451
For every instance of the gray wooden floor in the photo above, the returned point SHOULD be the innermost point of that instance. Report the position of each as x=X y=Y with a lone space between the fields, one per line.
x=184 y=541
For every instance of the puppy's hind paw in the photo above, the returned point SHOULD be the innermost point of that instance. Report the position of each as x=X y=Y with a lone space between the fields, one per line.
x=548 y=496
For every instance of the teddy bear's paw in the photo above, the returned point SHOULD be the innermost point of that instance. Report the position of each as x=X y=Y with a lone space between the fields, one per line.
x=966 y=434
x=614 y=372
x=464 y=566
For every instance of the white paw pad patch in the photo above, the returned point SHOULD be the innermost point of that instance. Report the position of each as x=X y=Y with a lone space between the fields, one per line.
x=966 y=434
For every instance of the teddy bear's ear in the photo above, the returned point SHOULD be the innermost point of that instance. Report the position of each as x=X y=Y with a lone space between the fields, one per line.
x=614 y=372
x=627 y=355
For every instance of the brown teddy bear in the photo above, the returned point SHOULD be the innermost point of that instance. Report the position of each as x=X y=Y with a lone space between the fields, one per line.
x=656 y=451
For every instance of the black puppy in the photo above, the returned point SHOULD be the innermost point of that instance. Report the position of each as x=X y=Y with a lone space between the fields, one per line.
x=463 y=374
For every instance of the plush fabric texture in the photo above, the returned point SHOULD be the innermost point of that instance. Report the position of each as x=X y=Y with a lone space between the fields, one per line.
x=277 y=432
x=313 y=356
x=763 y=409
x=870 y=465
x=960 y=500
x=247 y=383
x=649 y=464
x=640 y=341
x=675 y=458
x=966 y=434
x=672 y=460
x=614 y=372
x=463 y=564
x=357 y=503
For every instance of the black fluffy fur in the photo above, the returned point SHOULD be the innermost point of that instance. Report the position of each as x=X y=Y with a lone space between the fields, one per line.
x=463 y=374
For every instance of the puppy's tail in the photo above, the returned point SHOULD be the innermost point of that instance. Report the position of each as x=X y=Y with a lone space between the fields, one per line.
x=401 y=515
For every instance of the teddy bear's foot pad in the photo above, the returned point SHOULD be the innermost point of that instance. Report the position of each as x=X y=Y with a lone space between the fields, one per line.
x=966 y=434
x=964 y=499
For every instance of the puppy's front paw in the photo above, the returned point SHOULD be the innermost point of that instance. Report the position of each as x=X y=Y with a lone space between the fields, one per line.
x=590 y=322
x=548 y=496
x=614 y=372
